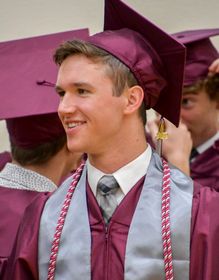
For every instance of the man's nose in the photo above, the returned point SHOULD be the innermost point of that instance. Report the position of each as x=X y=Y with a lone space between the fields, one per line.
x=67 y=104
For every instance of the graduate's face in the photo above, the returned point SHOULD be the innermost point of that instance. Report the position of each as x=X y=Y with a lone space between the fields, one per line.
x=92 y=117
x=200 y=114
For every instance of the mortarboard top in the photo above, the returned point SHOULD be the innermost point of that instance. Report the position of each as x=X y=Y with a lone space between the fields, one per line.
x=28 y=74
x=154 y=57
x=28 y=101
x=200 y=53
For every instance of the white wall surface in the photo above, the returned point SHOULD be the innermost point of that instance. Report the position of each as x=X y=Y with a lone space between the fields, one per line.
x=27 y=18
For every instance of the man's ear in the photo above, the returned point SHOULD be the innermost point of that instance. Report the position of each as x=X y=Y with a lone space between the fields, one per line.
x=135 y=97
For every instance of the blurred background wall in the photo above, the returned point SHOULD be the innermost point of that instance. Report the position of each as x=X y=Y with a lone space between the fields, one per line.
x=28 y=18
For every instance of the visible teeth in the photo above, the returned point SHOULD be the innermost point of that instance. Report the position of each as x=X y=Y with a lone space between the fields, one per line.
x=72 y=125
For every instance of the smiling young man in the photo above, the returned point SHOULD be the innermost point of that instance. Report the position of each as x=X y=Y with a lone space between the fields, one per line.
x=105 y=83
x=85 y=86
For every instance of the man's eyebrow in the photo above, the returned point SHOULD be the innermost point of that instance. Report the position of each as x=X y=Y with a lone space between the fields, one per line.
x=81 y=84
x=190 y=93
x=78 y=84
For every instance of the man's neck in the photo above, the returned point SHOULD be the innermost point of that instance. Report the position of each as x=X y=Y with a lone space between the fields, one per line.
x=112 y=161
x=205 y=137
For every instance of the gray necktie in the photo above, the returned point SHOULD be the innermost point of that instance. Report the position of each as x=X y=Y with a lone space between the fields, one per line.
x=106 y=189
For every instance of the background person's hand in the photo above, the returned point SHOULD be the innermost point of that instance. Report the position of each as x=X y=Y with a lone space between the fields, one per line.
x=214 y=67
x=177 y=148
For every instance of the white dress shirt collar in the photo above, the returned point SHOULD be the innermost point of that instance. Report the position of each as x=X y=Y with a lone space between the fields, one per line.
x=210 y=142
x=127 y=176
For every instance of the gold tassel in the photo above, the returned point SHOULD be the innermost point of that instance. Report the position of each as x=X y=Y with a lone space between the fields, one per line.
x=161 y=135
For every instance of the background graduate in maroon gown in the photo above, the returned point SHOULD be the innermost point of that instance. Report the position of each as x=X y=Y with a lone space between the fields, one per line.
x=199 y=111
x=39 y=156
x=200 y=104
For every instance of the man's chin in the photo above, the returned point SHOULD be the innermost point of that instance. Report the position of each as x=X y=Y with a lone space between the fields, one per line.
x=75 y=148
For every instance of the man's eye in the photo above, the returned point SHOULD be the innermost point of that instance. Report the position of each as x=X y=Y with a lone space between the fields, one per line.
x=61 y=93
x=187 y=103
x=82 y=91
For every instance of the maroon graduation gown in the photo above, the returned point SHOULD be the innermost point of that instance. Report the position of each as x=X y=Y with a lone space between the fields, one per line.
x=205 y=167
x=110 y=247
x=13 y=203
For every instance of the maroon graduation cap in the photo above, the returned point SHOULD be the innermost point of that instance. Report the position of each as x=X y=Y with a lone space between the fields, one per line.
x=28 y=101
x=200 y=53
x=154 y=57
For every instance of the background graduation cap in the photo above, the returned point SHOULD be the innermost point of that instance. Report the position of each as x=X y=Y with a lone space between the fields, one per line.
x=200 y=53
x=28 y=101
x=155 y=58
